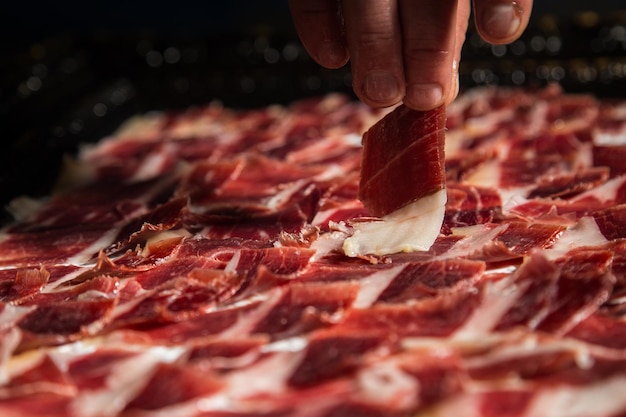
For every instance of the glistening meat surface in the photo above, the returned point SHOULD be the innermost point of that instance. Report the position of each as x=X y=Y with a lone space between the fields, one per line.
x=193 y=265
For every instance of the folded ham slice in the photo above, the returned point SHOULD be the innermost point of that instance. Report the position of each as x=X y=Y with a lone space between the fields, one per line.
x=402 y=182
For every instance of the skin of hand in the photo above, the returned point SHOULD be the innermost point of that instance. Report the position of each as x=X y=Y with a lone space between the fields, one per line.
x=403 y=50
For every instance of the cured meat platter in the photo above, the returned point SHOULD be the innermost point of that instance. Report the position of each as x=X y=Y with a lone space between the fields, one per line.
x=191 y=260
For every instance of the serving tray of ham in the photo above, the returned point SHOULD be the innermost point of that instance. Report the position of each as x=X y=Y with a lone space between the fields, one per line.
x=192 y=264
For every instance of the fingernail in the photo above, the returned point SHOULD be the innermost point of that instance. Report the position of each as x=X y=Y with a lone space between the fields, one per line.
x=381 y=87
x=424 y=96
x=332 y=54
x=502 y=20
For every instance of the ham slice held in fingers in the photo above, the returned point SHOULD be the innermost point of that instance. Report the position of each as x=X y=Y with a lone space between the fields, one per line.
x=402 y=182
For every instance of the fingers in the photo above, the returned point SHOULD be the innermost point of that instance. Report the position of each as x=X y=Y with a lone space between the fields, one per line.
x=429 y=47
x=501 y=21
x=403 y=49
x=374 y=39
x=320 y=27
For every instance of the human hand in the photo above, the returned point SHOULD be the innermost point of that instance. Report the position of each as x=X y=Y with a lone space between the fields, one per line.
x=402 y=50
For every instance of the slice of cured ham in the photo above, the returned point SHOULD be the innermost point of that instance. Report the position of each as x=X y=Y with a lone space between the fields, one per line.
x=402 y=181
x=403 y=159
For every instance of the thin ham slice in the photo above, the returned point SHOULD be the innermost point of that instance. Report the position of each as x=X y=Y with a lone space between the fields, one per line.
x=403 y=159
x=403 y=181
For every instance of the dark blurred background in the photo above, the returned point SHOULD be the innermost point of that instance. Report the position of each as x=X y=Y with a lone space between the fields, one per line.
x=231 y=16
x=70 y=72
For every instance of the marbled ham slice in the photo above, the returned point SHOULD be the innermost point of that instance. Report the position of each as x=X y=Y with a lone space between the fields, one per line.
x=402 y=181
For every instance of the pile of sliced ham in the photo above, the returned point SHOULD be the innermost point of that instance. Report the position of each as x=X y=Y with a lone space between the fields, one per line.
x=222 y=263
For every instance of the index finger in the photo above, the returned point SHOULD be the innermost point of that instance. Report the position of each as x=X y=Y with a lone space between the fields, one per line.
x=429 y=45
x=375 y=43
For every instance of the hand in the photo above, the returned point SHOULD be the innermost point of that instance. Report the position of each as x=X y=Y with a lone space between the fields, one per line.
x=405 y=50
